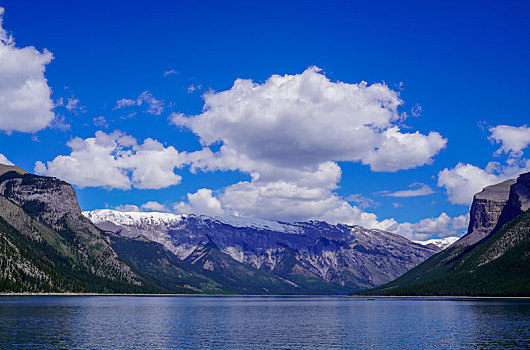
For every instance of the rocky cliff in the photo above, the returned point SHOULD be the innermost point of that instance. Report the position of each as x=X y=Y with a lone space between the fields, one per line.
x=43 y=224
x=485 y=211
x=494 y=206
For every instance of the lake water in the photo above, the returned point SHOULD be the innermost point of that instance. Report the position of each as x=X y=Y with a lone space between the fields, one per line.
x=136 y=322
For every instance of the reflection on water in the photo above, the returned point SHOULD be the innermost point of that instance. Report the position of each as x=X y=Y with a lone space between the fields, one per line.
x=133 y=322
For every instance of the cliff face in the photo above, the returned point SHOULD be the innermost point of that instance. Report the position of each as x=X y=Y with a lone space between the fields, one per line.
x=496 y=205
x=518 y=201
x=43 y=218
x=485 y=211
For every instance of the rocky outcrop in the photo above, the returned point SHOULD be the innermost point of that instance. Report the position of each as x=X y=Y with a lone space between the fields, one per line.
x=8 y=168
x=494 y=206
x=343 y=255
x=485 y=211
x=518 y=201
x=46 y=210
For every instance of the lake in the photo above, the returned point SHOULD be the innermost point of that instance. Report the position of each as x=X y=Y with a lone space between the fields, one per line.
x=175 y=322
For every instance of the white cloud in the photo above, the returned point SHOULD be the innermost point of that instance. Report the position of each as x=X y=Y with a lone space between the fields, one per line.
x=170 y=72
x=288 y=134
x=60 y=123
x=440 y=227
x=154 y=106
x=100 y=121
x=464 y=180
x=4 y=160
x=73 y=105
x=115 y=160
x=125 y=102
x=154 y=206
x=421 y=190
x=404 y=150
x=362 y=201
x=148 y=206
x=200 y=202
x=287 y=202
x=25 y=102
x=127 y=208
x=193 y=88
x=513 y=139
x=305 y=119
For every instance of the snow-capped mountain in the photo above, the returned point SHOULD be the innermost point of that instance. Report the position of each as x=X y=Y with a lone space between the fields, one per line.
x=440 y=243
x=304 y=252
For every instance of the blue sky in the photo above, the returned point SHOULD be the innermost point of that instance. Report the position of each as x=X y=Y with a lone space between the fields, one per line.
x=456 y=69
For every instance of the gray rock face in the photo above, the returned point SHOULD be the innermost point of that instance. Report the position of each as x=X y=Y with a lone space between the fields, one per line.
x=485 y=211
x=495 y=205
x=53 y=203
x=518 y=201
x=340 y=254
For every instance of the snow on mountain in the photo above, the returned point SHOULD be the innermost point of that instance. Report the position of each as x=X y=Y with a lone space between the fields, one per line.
x=441 y=243
x=156 y=218
x=346 y=255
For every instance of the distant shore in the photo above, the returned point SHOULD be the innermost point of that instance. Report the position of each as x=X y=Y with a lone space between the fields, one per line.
x=447 y=297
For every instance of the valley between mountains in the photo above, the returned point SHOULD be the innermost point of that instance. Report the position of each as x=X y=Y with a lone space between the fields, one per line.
x=48 y=245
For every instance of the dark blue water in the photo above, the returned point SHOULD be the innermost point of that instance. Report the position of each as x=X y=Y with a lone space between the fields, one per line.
x=130 y=322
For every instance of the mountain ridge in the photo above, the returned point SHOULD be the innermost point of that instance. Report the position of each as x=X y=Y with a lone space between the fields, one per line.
x=346 y=256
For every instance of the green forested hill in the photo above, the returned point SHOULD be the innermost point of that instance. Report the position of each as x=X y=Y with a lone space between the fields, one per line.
x=46 y=262
x=499 y=265
x=47 y=245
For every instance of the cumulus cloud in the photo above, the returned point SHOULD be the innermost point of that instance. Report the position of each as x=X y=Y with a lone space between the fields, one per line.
x=25 y=102
x=154 y=206
x=290 y=132
x=404 y=150
x=513 y=140
x=127 y=208
x=464 y=180
x=154 y=106
x=439 y=227
x=148 y=206
x=420 y=190
x=116 y=160
x=305 y=119
x=200 y=202
x=4 y=160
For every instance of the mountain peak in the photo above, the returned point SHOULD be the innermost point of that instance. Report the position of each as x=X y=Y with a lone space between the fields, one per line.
x=4 y=168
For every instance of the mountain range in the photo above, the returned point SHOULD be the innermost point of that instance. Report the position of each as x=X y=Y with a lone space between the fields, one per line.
x=310 y=257
x=48 y=245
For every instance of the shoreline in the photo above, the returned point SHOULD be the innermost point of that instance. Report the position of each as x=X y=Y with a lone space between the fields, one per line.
x=426 y=297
